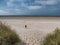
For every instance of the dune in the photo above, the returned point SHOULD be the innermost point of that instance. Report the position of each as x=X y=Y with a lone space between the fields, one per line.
x=37 y=27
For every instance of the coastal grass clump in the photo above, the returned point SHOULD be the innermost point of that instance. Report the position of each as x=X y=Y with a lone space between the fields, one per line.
x=8 y=36
x=53 y=39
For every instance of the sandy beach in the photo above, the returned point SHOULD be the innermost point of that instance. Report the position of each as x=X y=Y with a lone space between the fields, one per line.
x=37 y=27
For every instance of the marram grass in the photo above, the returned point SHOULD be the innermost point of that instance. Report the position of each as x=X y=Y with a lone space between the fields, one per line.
x=53 y=39
x=8 y=36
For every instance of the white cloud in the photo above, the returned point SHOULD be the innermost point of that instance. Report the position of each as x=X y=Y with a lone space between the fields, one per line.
x=51 y=2
x=34 y=7
x=42 y=2
x=18 y=3
x=9 y=4
x=23 y=7
x=47 y=2
x=3 y=12
x=19 y=11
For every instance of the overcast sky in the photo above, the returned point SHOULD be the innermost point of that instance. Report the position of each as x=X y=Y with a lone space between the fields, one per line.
x=29 y=7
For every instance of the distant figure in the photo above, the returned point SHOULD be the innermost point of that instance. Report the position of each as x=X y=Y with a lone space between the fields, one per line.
x=25 y=26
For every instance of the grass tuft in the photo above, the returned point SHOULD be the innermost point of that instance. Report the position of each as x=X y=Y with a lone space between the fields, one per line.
x=53 y=39
x=8 y=36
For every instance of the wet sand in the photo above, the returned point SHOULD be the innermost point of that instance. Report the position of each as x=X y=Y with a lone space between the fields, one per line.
x=37 y=27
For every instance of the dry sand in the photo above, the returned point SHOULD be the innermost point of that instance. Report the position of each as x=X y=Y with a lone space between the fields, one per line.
x=37 y=27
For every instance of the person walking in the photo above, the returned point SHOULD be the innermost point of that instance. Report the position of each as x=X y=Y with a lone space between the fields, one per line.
x=25 y=26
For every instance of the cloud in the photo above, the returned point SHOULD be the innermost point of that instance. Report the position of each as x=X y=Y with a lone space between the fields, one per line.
x=27 y=6
x=34 y=7
x=46 y=2
x=14 y=3
x=3 y=12
x=36 y=4
x=9 y=4
x=51 y=2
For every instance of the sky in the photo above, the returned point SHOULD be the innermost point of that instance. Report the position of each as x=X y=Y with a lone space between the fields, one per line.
x=30 y=7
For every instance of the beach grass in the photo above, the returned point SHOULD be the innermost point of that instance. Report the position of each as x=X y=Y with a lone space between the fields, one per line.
x=8 y=36
x=53 y=39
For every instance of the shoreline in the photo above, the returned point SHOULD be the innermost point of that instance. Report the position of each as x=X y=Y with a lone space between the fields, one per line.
x=29 y=17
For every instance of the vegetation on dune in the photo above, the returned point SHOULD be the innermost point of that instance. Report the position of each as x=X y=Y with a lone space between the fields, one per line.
x=53 y=39
x=8 y=36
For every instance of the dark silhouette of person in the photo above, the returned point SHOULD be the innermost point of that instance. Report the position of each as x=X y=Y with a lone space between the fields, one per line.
x=25 y=26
